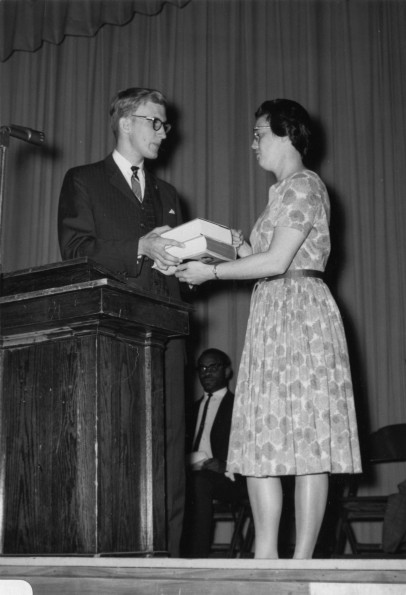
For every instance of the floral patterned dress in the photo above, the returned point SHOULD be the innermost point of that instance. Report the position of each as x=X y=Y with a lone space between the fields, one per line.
x=294 y=405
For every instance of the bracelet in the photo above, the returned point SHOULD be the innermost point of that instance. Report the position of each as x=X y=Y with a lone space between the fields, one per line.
x=215 y=273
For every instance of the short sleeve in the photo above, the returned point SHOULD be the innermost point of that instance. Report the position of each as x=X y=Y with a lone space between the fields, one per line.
x=299 y=206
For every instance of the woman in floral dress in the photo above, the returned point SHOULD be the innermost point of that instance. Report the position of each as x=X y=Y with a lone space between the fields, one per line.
x=294 y=407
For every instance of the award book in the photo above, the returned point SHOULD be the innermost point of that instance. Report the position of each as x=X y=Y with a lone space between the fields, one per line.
x=200 y=227
x=204 y=248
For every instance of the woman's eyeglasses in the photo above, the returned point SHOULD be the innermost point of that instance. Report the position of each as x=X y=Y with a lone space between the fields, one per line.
x=255 y=130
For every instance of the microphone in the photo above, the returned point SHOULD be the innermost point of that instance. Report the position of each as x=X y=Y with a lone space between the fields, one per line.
x=29 y=135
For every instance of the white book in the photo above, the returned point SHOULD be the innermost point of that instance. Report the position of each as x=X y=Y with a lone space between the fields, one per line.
x=198 y=227
x=205 y=249
x=201 y=248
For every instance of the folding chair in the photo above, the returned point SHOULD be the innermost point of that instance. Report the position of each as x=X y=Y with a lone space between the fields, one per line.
x=386 y=445
x=238 y=515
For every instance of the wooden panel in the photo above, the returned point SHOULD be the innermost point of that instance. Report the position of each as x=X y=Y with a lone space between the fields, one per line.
x=85 y=450
x=356 y=589
x=131 y=482
x=139 y=586
x=126 y=576
x=49 y=404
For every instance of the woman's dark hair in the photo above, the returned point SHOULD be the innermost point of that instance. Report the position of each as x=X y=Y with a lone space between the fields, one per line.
x=288 y=118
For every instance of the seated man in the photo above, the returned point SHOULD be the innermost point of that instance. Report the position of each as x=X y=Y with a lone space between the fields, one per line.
x=208 y=436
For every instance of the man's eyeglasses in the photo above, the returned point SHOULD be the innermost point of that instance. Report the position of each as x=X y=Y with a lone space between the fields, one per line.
x=156 y=123
x=255 y=130
x=210 y=368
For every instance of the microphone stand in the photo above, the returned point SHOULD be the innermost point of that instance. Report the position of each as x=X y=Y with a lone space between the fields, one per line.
x=35 y=137
x=29 y=135
x=4 y=143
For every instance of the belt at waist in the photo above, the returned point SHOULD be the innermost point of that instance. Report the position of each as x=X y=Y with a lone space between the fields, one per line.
x=295 y=274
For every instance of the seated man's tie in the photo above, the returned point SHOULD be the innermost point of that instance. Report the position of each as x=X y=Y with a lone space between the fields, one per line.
x=201 y=427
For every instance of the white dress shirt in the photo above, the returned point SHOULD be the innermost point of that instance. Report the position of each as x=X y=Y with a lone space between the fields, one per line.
x=212 y=409
x=125 y=168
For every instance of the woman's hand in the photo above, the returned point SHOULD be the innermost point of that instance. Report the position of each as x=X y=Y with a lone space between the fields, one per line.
x=243 y=248
x=238 y=237
x=194 y=272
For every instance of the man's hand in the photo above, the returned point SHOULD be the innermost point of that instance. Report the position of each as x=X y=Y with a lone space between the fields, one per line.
x=153 y=246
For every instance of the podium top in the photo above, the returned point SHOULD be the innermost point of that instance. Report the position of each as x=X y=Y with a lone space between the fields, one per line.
x=70 y=272
x=78 y=294
x=56 y=274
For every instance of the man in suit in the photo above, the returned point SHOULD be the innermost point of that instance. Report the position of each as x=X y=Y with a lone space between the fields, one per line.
x=208 y=435
x=114 y=211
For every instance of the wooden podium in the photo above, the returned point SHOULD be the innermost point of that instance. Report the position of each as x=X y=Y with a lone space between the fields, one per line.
x=82 y=467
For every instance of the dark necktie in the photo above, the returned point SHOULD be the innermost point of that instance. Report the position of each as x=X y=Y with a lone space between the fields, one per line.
x=135 y=183
x=199 y=434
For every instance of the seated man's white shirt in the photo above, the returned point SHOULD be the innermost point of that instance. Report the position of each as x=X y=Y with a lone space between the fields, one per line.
x=214 y=404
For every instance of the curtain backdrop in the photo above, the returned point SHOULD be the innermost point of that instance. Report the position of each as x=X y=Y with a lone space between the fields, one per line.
x=25 y=24
x=217 y=60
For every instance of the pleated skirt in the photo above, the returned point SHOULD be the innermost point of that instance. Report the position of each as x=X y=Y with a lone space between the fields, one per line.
x=294 y=410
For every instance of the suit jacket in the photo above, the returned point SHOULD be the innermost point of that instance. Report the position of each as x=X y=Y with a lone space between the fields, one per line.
x=99 y=217
x=220 y=431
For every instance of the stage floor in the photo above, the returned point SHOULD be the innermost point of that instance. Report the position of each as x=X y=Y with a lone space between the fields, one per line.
x=74 y=575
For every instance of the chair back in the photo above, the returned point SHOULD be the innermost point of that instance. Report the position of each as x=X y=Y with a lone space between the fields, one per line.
x=388 y=444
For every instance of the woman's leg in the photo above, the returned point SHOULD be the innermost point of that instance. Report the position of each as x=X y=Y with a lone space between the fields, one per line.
x=265 y=495
x=310 y=504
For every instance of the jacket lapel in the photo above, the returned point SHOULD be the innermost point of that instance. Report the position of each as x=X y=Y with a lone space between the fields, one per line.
x=224 y=411
x=117 y=179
